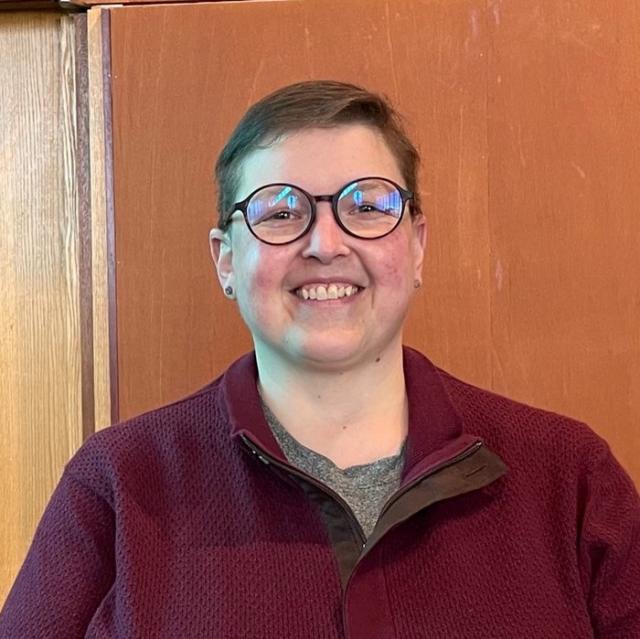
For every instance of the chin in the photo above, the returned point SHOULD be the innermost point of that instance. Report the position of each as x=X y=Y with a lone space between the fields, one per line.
x=331 y=353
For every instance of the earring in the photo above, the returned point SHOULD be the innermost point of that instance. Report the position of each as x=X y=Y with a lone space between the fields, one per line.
x=228 y=291
x=417 y=284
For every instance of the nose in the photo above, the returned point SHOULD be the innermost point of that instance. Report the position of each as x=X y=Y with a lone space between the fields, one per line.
x=325 y=240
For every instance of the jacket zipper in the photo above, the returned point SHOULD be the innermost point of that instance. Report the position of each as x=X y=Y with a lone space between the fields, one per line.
x=265 y=458
x=467 y=452
x=470 y=450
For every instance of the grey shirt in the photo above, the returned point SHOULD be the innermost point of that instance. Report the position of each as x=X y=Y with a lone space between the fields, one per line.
x=365 y=488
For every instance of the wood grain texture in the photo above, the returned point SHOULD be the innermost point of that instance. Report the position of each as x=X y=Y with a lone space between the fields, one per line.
x=100 y=255
x=443 y=70
x=40 y=330
x=526 y=116
x=181 y=80
x=564 y=139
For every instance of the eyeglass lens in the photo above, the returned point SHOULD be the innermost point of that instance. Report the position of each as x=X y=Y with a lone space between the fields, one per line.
x=366 y=208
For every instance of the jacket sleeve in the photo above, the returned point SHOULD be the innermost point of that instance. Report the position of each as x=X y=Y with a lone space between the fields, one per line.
x=68 y=570
x=610 y=551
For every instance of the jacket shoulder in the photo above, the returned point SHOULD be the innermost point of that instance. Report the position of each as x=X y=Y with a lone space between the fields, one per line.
x=157 y=442
x=518 y=430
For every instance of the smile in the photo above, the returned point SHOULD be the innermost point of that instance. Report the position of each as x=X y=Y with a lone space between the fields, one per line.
x=326 y=291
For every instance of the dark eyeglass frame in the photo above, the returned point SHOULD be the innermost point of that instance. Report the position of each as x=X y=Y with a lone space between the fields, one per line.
x=242 y=206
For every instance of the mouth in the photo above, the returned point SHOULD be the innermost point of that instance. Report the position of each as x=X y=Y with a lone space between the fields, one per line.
x=322 y=292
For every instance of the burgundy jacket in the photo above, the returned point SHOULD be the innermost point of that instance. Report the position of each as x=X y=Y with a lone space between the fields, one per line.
x=188 y=522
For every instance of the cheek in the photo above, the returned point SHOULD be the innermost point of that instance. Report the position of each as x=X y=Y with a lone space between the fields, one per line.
x=395 y=264
x=263 y=280
x=252 y=285
x=258 y=275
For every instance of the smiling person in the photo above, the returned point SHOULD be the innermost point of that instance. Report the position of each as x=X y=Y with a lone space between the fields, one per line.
x=332 y=483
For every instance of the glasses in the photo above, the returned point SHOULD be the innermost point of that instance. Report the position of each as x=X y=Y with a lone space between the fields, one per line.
x=367 y=208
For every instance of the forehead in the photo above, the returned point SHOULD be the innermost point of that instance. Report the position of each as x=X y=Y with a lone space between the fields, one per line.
x=320 y=160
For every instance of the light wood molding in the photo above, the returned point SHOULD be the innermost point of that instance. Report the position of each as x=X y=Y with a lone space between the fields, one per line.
x=101 y=259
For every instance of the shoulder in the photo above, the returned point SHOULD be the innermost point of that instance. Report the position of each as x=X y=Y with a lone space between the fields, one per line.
x=159 y=444
x=540 y=443
x=557 y=466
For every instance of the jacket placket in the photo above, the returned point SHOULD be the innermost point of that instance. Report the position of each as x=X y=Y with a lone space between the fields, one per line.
x=466 y=466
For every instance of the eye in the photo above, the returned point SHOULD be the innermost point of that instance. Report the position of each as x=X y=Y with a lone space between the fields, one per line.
x=287 y=215
x=281 y=217
x=277 y=205
x=365 y=209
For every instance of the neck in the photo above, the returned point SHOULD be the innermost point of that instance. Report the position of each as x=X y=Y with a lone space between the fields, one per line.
x=353 y=416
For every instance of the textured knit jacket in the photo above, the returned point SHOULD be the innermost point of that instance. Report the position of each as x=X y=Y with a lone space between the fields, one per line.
x=188 y=522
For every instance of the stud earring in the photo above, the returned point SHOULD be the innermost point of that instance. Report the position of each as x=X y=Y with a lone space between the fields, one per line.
x=417 y=284
x=228 y=291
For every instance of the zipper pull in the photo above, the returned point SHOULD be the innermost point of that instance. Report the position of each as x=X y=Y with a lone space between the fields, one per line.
x=262 y=458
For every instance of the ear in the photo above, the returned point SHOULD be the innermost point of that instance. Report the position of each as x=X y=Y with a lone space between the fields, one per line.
x=222 y=254
x=419 y=237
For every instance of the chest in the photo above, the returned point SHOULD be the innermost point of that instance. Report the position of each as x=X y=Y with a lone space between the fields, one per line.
x=272 y=570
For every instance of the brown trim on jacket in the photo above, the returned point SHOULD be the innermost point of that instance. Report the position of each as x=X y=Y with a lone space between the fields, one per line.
x=471 y=468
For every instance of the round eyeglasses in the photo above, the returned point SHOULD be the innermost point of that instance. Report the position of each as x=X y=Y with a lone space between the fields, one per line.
x=367 y=208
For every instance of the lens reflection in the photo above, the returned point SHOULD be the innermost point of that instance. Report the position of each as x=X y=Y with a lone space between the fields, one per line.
x=368 y=208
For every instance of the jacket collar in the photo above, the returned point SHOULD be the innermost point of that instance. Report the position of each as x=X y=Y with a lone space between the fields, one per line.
x=436 y=431
x=240 y=388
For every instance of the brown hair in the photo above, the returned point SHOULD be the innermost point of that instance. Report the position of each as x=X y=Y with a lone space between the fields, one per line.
x=305 y=105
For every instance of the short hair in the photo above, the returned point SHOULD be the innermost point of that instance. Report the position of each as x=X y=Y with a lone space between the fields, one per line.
x=307 y=105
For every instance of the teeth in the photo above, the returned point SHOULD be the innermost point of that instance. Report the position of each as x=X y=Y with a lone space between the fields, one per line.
x=323 y=292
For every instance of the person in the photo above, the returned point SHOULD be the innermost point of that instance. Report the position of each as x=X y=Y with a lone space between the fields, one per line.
x=332 y=483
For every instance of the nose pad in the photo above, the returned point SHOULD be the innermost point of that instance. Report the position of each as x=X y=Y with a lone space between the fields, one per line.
x=325 y=240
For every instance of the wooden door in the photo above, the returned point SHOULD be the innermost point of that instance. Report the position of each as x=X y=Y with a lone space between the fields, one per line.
x=526 y=116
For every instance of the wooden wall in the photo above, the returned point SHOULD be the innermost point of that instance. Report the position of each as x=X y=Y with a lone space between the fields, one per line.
x=526 y=115
x=564 y=214
x=40 y=321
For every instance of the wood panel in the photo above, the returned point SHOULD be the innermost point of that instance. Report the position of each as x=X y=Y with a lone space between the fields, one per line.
x=525 y=113
x=444 y=73
x=564 y=139
x=40 y=328
x=181 y=78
